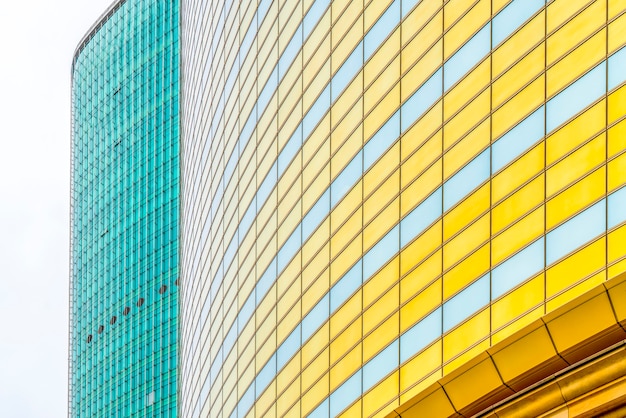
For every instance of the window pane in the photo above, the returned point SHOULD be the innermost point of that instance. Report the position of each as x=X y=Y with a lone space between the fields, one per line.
x=420 y=218
x=345 y=394
x=346 y=286
x=512 y=17
x=467 y=57
x=380 y=253
x=416 y=338
x=421 y=100
x=381 y=141
x=516 y=269
x=380 y=366
x=518 y=140
x=381 y=29
x=617 y=68
x=467 y=302
x=617 y=207
x=466 y=180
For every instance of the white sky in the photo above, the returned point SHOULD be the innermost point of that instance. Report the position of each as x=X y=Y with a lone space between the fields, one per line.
x=37 y=42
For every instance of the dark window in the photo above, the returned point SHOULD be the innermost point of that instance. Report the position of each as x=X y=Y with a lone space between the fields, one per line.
x=89 y=338
x=100 y=329
x=140 y=302
x=162 y=289
x=126 y=310
x=113 y=320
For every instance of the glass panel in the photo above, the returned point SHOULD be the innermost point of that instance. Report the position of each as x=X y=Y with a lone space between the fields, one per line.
x=467 y=302
x=380 y=366
x=381 y=29
x=617 y=205
x=288 y=348
x=421 y=100
x=420 y=335
x=517 y=140
x=512 y=17
x=348 y=70
x=576 y=232
x=617 y=64
x=381 y=141
x=467 y=57
x=518 y=268
x=345 y=394
x=380 y=253
x=420 y=218
x=316 y=215
x=346 y=286
x=316 y=317
x=466 y=180
x=346 y=179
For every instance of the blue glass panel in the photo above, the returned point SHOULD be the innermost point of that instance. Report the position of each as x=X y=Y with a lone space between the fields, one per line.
x=517 y=140
x=576 y=232
x=421 y=100
x=289 y=248
x=231 y=251
x=467 y=57
x=576 y=97
x=290 y=53
x=348 y=70
x=262 y=10
x=268 y=90
x=266 y=281
x=289 y=150
x=313 y=16
x=247 y=41
x=346 y=286
x=617 y=68
x=247 y=130
x=617 y=207
x=229 y=340
x=466 y=180
x=416 y=338
x=265 y=376
x=381 y=29
x=346 y=179
x=420 y=218
x=466 y=303
x=381 y=141
x=381 y=253
x=266 y=186
x=344 y=395
x=246 y=402
x=407 y=6
x=288 y=348
x=316 y=112
x=316 y=215
x=380 y=366
x=246 y=311
x=316 y=317
x=512 y=17
x=518 y=268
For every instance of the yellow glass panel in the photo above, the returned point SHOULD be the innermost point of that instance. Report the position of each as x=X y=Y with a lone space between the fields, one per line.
x=380 y=282
x=575 y=165
x=310 y=281
x=373 y=12
x=345 y=367
x=517 y=173
x=316 y=188
x=353 y=410
x=468 y=210
x=380 y=64
x=423 y=303
x=617 y=173
x=463 y=30
x=381 y=394
x=466 y=271
x=617 y=244
x=576 y=63
x=517 y=204
x=454 y=9
x=616 y=138
x=576 y=132
x=517 y=236
x=519 y=323
x=423 y=129
x=343 y=341
x=384 y=306
x=315 y=345
x=617 y=104
x=315 y=395
x=381 y=337
x=615 y=7
x=345 y=144
x=617 y=33
x=422 y=42
x=421 y=17
x=617 y=268
x=421 y=188
x=576 y=291
x=424 y=274
x=346 y=115
x=382 y=223
x=518 y=107
x=518 y=302
x=466 y=149
x=420 y=366
x=576 y=197
x=348 y=313
x=376 y=202
x=517 y=45
x=423 y=157
x=287 y=399
x=466 y=334
x=346 y=207
x=346 y=233
x=497 y=5
x=520 y=74
x=471 y=114
x=466 y=356
x=465 y=242
x=561 y=10
x=383 y=169
x=382 y=112
x=575 y=267
x=577 y=29
x=425 y=66
x=466 y=89
x=314 y=370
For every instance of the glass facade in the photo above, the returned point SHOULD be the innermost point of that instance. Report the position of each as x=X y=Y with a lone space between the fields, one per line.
x=375 y=192
x=124 y=214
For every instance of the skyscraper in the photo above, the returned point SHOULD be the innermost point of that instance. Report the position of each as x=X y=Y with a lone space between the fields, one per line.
x=380 y=198
x=124 y=214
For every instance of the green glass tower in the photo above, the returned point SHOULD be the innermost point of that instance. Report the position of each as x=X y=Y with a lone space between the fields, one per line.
x=124 y=214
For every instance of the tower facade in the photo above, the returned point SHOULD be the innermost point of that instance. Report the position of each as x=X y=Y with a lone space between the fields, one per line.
x=124 y=214
x=378 y=195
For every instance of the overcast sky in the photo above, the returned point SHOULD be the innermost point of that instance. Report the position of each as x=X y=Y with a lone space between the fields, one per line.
x=37 y=42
